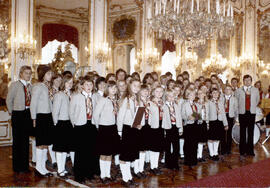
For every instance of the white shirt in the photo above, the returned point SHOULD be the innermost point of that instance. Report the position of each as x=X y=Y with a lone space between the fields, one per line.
x=86 y=94
x=227 y=97
x=247 y=88
x=100 y=92
x=24 y=82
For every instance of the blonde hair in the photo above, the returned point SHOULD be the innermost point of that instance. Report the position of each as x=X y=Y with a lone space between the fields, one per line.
x=188 y=91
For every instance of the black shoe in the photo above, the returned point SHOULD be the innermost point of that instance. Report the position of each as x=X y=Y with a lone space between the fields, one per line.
x=200 y=160
x=37 y=173
x=212 y=158
x=138 y=175
x=157 y=172
x=33 y=163
x=143 y=175
x=133 y=183
x=105 y=181
x=49 y=174
x=125 y=184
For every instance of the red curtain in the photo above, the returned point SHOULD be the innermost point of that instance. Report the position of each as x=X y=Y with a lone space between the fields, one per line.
x=167 y=45
x=59 y=32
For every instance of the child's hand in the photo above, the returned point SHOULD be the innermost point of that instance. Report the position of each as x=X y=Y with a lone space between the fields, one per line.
x=226 y=128
x=180 y=133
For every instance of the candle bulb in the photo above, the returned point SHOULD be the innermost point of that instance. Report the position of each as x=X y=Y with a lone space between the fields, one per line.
x=198 y=5
x=209 y=7
x=174 y=6
x=232 y=12
x=192 y=4
x=178 y=6
x=224 y=11
x=156 y=10
x=149 y=13
x=229 y=9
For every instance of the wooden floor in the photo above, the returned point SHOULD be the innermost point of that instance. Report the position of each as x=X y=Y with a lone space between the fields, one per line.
x=167 y=179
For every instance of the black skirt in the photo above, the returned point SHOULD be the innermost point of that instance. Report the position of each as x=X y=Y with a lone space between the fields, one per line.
x=157 y=139
x=268 y=119
x=145 y=137
x=44 y=129
x=130 y=144
x=191 y=144
x=216 y=130
x=62 y=140
x=202 y=132
x=108 y=140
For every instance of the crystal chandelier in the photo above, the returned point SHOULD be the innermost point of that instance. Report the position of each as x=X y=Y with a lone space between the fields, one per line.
x=215 y=64
x=191 y=20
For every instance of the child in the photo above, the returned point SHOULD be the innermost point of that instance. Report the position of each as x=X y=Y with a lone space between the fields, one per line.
x=41 y=113
x=172 y=123
x=217 y=123
x=100 y=86
x=231 y=110
x=130 y=135
x=63 y=125
x=189 y=113
x=18 y=104
x=157 y=133
x=86 y=164
x=203 y=109
x=108 y=140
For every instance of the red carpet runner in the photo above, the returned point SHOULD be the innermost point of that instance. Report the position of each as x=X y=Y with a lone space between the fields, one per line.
x=253 y=175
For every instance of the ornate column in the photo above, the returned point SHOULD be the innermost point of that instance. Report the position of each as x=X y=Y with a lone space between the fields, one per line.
x=22 y=24
x=97 y=32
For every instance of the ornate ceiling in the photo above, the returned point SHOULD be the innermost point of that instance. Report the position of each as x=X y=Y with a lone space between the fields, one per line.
x=63 y=4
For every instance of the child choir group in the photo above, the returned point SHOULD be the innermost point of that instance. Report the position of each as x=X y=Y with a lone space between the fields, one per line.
x=91 y=119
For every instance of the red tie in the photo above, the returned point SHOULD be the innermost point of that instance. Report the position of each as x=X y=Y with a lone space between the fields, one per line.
x=88 y=108
x=27 y=95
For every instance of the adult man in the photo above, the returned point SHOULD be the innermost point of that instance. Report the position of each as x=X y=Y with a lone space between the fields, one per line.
x=248 y=98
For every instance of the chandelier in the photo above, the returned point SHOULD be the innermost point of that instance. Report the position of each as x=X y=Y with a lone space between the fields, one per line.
x=102 y=51
x=215 y=64
x=24 y=45
x=191 y=20
x=152 y=55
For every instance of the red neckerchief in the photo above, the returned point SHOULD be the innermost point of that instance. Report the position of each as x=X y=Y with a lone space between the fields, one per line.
x=146 y=104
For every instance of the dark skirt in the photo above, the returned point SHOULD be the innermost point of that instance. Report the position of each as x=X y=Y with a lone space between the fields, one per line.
x=44 y=129
x=86 y=163
x=145 y=135
x=62 y=141
x=202 y=132
x=216 y=130
x=191 y=144
x=157 y=139
x=108 y=140
x=130 y=144
x=268 y=119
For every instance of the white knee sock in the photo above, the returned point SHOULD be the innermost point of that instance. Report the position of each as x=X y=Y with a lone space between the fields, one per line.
x=200 y=151
x=39 y=155
x=44 y=158
x=211 y=149
x=136 y=166
x=141 y=161
x=33 y=141
x=125 y=170
x=116 y=160
x=132 y=164
x=154 y=156
x=182 y=147
x=147 y=156
x=102 y=168
x=163 y=158
x=216 y=144
x=64 y=158
x=72 y=155
x=52 y=154
x=59 y=162
x=108 y=169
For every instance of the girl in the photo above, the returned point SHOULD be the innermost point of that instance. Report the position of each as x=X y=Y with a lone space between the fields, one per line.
x=258 y=85
x=130 y=135
x=18 y=103
x=144 y=154
x=170 y=84
x=231 y=110
x=217 y=123
x=148 y=79
x=189 y=115
x=136 y=75
x=55 y=84
x=110 y=77
x=203 y=109
x=100 y=86
x=86 y=163
x=157 y=133
x=63 y=125
x=108 y=140
x=172 y=123
x=41 y=113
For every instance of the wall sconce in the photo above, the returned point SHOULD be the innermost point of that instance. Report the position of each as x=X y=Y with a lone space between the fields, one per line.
x=24 y=45
x=152 y=56
x=102 y=51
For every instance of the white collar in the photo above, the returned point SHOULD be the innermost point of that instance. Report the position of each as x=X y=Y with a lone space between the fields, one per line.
x=163 y=86
x=191 y=102
x=100 y=92
x=169 y=103
x=247 y=87
x=24 y=82
x=86 y=94
x=227 y=97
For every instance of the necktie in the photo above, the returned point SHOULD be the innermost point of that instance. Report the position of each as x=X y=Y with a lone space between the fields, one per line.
x=172 y=113
x=27 y=95
x=89 y=108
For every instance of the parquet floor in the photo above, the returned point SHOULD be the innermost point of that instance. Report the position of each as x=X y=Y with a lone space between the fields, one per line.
x=168 y=179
